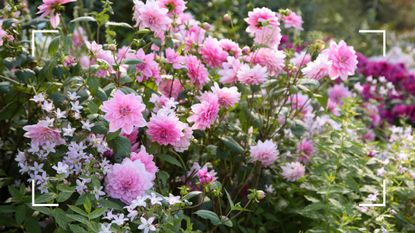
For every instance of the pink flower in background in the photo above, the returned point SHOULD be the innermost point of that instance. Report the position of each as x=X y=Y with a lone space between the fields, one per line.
x=4 y=36
x=41 y=134
x=176 y=7
x=252 y=76
x=174 y=58
x=305 y=149
x=212 y=53
x=293 y=171
x=196 y=71
x=170 y=87
x=318 y=68
x=263 y=25
x=132 y=137
x=231 y=47
x=229 y=71
x=300 y=102
x=194 y=36
x=343 y=60
x=184 y=141
x=227 y=96
x=49 y=8
x=369 y=135
x=128 y=180
x=292 y=20
x=146 y=159
x=124 y=112
x=301 y=59
x=272 y=59
x=268 y=36
x=79 y=36
x=206 y=176
x=147 y=68
x=204 y=113
x=265 y=152
x=333 y=107
x=337 y=93
x=165 y=128
x=151 y=15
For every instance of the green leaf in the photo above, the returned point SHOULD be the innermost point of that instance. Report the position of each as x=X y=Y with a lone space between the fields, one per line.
x=87 y=205
x=211 y=216
x=60 y=218
x=25 y=75
x=44 y=198
x=84 y=19
x=121 y=147
x=226 y=221
x=78 y=218
x=97 y=213
x=20 y=214
x=170 y=159
x=54 y=46
x=232 y=145
x=118 y=24
x=111 y=204
x=192 y=194
x=229 y=198
x=32 y=226
x=133 y=61
x=64 y=195
x=77 y=210
x=77 y=228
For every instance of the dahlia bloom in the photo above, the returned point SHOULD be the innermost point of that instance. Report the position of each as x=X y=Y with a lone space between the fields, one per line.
x=40 y=134
x=337 y=93
x=300 y=59
x=272 y=59
x=146 y=159
x=252 y=76
x=49 y=7
x=124 y=112
x=204 y=113
x=229 y=71
x=212 y=53
x=176 y=7
x=300 y=102
x=292 y=20
x=4 y=36
x=305 y=149
x=264 y=152
x=230 y=47
x=184 y=141
x=128 y=180
x=227 y=96
x=151 y=15
x=79 y=36
x=170 y=87
x=318 y=68
x=205 y=176
x=147 y=68
x=293 y=171
x=174 y=58
x=263 y=25
x=196 y=71
x=343 y=60
x=165 y=128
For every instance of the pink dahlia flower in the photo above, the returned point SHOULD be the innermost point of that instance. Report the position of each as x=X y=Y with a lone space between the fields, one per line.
x=231 y=47
x=165 y=128
x=292 y=20
x=263 y=25
x=343 y=60
x=49 y=7
x=170 y=87
x=227 y=96
x=212 y=52
x=147 y=68
x=124 y=112
x=300 y=59
x=337 y=93
x=146 y=159
x=272 y=59
x=196 y=71
x=305 y=149
x=318 y=68
x=265 y=152
x=41 y=134
x=176 y=7
x=174 y=58
x=184 y=141
x=252 y=76
x=204 y=113
x=128 y=180
x=293 y=171
x=151 y=15
x=229 y=71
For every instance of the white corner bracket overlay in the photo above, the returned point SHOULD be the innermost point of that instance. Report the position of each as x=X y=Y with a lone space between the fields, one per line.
x=34 y=32
x=383 y=32
x=33 y=198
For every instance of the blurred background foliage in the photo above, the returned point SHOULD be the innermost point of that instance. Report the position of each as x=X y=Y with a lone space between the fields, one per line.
x=340 y=19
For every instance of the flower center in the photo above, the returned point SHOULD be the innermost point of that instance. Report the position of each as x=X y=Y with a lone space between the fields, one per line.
x=124 y=111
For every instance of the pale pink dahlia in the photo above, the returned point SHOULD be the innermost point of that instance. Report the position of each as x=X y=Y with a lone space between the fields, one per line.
x=318 y=68
x=337 y=93
x=292 y=20
x=170 y=87
x=176 y=7
x=268 y=36
x=150 y=15
x=184 y=141
x=293 y=171
x=300 y=59
x=173 y=57
x=41 y=134
x=305 y=149
x=343 y=60
x=252 y=76
x=146 y=159
x=49 y=7
x=124 y=112
x=231 y=47
x=260 y=18
x=272 y=59
x=147 y=68
x=212 y=53
x=196 y=71
x=229 y=71
x=128 y=180
x=227 y=96
x=265 y=152
x=165 y=127
x=204 y=113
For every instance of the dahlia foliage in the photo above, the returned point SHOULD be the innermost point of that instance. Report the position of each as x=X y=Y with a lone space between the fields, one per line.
x=176 y=129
